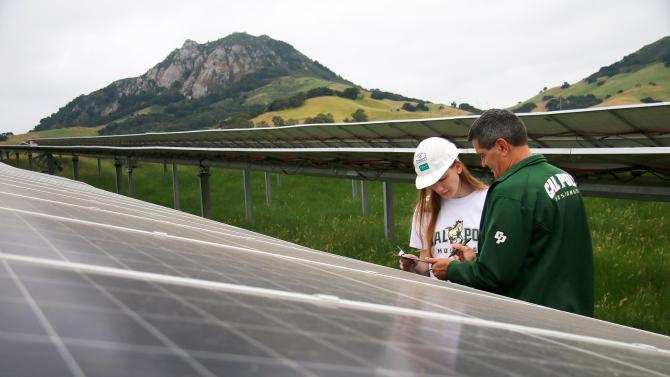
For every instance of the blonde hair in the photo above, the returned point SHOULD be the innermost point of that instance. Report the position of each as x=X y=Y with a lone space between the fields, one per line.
x=428 y=206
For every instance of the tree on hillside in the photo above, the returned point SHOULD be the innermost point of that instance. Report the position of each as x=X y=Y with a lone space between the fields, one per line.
x=351 y=93
x=408 y=107
x=320 y=118
x=359 y=116
x=454 y=105
x=291 y=122
x=565 y=85
x=278 y=121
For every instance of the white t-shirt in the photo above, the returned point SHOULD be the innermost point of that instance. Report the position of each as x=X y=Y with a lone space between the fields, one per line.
x=457 y=222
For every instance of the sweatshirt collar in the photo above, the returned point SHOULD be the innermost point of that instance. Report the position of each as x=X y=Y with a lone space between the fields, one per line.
x=530 y=160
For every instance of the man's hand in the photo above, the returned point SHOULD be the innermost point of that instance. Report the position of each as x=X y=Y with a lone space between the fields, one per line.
x=408 y=262
x=439 y=266
x=464 y=253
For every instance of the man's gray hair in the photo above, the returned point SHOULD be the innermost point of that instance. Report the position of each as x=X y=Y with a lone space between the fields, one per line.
x=496 y=124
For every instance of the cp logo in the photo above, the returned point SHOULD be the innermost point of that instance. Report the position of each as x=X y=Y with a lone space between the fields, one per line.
x=500 y=237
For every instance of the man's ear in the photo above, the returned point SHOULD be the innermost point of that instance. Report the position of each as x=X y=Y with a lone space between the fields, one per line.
x=503 y=146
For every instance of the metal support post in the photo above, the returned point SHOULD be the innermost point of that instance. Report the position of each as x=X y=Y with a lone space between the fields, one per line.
x=175 y=186
x=268 y=189
x=119 y=176
x=364 y=197
x=205 y=202
x=99 y=167
x=246 y=174
x=279 y=179
x=130 y=177
x=75 y=167
x=17 y=159
x=389 y=226
x=52 y=165
x=30 y=161
x=354 y=188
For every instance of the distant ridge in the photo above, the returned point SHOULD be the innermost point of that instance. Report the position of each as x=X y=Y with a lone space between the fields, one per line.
x=640 y=77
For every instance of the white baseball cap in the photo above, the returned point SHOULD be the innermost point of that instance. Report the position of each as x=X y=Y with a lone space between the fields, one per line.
x=432 y=158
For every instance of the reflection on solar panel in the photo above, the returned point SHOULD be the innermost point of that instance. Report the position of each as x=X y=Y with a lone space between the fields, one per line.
x=99 y=284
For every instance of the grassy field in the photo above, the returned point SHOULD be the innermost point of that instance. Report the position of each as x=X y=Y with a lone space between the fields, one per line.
x=630 y=238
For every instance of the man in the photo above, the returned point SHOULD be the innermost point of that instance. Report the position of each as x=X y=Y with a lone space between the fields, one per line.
x=534 y=240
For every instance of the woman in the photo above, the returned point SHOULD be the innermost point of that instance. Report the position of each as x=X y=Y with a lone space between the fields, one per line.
x=449 y=207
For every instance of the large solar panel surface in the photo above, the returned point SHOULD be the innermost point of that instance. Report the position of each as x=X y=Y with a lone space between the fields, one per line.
x=97 y=284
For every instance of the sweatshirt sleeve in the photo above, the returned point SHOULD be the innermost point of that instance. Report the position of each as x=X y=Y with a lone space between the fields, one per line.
x=506 y=239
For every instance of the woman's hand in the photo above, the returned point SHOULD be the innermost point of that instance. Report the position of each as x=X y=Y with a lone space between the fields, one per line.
x=408 y=262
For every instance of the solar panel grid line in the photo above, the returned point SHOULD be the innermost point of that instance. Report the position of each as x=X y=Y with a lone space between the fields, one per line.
x=184 y=239
x=143 y=206
x=63 y=351
x=203 y=313
x=197 y=366
x=343 y=303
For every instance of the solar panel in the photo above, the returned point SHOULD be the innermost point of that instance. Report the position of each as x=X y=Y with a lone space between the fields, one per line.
x=97 y=284
x=618 y=126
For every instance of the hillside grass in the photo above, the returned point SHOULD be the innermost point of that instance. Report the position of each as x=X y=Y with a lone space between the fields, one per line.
x=59 y=132
x=652 y=81
x=342 y=108
x=285 y=87
x=630 y=238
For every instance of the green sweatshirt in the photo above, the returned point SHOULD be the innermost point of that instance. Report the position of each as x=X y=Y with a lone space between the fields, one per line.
x=534 y=242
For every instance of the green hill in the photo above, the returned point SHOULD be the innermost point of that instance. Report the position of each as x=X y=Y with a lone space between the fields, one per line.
x=641 y=77
x=342 y=108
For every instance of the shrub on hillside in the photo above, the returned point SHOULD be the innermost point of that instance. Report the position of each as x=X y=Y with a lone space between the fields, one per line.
x=572 y=102
x=649 y=100
x=278 y=121
x=565 y=85
x=359 y=116
x=525 y=108
x=320 y=118
x=351 y=93
x=470 y=108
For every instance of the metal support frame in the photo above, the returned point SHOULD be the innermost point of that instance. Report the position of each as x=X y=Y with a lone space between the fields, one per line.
x=389 y=224
x=75 y=167
x=205 y=193
x=119 y=176
x=99 y=167
x=248 y=207
x=130 y=177
x=175 y=186
x=364 y=198
x=354 y=188
x=268 y=188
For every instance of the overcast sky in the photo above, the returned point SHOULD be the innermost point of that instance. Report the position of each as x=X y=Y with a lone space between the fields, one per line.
x=486 y=53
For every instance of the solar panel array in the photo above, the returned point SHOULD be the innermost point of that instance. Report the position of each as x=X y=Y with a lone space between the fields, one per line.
x=619 y=126
x=97 y=284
